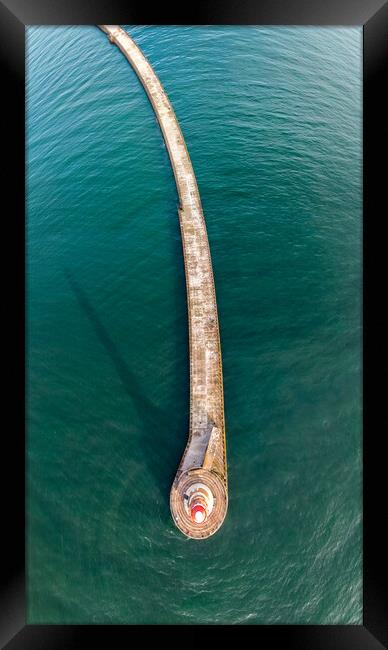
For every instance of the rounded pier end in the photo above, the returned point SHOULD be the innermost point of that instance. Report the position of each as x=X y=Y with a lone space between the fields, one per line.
x=198 y=502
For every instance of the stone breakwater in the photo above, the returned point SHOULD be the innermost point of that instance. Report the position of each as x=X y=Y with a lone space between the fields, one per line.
x=201 y=478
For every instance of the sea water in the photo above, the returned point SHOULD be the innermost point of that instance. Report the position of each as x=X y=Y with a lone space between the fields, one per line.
x=272 y=121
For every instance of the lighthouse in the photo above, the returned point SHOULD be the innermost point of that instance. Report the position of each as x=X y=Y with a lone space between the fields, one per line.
x=199 y=503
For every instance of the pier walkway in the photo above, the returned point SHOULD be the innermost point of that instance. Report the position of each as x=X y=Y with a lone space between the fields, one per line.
x=204 y=460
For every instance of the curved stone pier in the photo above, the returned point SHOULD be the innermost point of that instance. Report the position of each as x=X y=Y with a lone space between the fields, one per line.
x=204 y=459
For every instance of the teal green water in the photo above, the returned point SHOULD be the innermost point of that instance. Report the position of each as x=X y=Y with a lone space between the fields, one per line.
x=272 y=121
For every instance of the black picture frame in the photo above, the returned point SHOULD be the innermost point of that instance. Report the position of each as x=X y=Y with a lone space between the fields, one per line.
x=373 y=16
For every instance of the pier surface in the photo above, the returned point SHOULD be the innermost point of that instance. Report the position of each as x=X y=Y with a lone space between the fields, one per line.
x=204 y=459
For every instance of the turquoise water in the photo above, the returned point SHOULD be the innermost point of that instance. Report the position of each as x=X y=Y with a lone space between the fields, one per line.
x=272 y=121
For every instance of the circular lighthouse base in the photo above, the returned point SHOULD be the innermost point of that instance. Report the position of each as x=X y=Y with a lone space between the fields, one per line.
x=180 y=494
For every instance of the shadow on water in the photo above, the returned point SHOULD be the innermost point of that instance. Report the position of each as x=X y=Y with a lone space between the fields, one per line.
x=161 y=449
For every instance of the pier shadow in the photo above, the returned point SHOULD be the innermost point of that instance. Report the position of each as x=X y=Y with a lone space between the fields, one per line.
x=161 y=452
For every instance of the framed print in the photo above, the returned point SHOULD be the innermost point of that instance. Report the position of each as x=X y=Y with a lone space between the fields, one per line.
x=195 y=309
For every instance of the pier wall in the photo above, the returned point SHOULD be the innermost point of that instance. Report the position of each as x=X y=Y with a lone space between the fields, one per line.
x=206 y=383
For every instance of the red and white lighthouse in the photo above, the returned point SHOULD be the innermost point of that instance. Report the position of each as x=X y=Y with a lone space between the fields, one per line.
x=198 y=503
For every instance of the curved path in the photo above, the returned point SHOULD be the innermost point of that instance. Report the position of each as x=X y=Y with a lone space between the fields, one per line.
x=204 y=459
